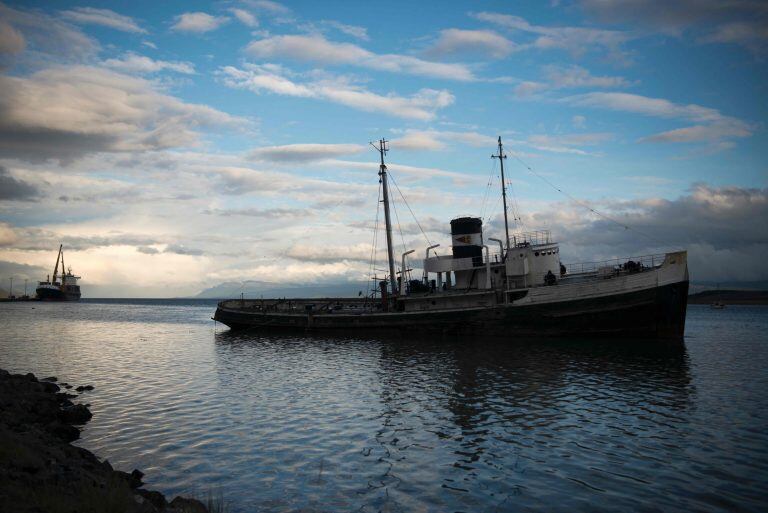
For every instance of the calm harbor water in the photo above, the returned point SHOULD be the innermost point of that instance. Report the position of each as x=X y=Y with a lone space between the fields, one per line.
x=295 y=423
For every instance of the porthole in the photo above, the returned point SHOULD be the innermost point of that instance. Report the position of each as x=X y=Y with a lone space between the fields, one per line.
x=536 y=254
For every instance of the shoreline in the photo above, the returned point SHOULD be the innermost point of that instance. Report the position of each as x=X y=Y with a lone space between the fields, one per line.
x=41 y=471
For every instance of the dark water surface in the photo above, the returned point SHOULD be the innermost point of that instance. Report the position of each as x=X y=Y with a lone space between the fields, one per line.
x=331 y=424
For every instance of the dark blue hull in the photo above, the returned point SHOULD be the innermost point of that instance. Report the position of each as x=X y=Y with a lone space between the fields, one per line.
x=48 y=294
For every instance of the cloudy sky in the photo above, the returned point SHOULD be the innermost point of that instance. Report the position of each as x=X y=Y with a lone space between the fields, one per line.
x=173 y=146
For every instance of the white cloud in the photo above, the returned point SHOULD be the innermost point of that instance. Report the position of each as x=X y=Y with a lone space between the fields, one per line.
x=11 y=40
x=421 y=106
x=304 y=152
x=728 y=129
x=269 y=6
x=575 y=76
x=198 y=22
x=720 y=21
x=135 y=63
x=350 y=30
x=317 y=49
x=568 y=77
x=49 y=36
x=360 y=252
x=657 y=107
x=412 y=172
x=104 y=17
x=576 y=40
x=245 y=17
x=435 y=140
x=462 y=42
x=64 y=113
x=529 y=88
x=567 y=143
x=750 y=34
x=712 y=125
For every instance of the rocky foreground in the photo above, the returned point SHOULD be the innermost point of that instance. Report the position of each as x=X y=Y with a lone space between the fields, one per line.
x=42 y=472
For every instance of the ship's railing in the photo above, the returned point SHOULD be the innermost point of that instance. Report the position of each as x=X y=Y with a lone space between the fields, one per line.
x=580 y=272
x=304 y=305
x=533 y=238
x=634 y=264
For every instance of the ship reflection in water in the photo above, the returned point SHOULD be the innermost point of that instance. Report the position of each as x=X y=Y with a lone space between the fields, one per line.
x=474 y=426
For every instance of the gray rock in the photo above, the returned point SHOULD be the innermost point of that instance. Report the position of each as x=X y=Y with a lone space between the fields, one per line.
x=50 y=378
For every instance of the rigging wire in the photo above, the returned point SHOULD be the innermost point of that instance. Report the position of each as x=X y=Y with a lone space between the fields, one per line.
x=374 y=244
x=491 y=178
x=402 y=238
x=585 y=205
x=429 y=242
x=516 y=215
x=492 y=213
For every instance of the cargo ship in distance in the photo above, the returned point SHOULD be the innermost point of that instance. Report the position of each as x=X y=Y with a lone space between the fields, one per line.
x=54 y=290
x=512 y=288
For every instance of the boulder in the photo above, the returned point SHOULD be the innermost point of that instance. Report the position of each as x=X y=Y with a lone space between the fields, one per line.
x=50 y=378
x=83 y=388
x=157 y=499
x=64 y=431
x=135 y=478
x=185 y=505
x=76 y=414
x=49 y=387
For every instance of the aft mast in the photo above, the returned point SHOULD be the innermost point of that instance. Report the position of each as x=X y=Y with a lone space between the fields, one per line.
x=382 y=149
x=501 y=158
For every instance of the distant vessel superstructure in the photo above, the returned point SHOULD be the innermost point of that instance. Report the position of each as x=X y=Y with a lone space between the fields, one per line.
x=65 y=289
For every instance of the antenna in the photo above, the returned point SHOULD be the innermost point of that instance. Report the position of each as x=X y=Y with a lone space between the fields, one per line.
x=501 y=158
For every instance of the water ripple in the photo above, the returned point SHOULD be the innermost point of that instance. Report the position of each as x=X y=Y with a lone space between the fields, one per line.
x=297 y=423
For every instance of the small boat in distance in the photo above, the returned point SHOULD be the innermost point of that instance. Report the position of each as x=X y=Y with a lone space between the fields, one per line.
x=65 y=290
x=519 y=290
x=717 y=304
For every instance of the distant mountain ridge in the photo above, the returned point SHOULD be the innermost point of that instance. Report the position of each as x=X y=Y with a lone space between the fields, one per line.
x=255 y=289
x=731 y=297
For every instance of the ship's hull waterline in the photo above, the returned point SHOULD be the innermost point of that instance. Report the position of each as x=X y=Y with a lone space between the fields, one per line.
x=650 y=313
x=51 y=294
